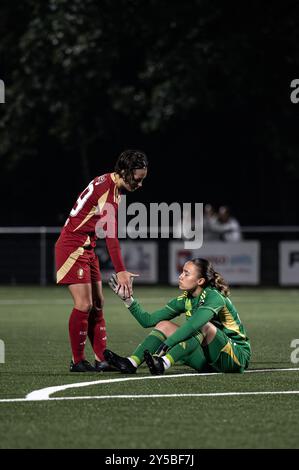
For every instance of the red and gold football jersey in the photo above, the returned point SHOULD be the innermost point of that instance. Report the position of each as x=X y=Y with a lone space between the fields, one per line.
x=98 y=202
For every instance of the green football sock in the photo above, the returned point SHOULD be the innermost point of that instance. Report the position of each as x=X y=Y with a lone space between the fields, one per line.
x=182 y=350
x=151 y=343
x=189 y=352
x=197 y=360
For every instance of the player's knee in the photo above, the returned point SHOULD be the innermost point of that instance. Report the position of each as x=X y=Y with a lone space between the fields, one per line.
x=84 y=306
x=209 y=331
x=98 y=303
x=208 y=328
x=165 y=327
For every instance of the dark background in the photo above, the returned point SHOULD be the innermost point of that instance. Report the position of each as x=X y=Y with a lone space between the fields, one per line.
x=202 y=87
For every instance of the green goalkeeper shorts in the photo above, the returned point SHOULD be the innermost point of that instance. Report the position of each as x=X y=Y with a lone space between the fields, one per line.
x=225 y=355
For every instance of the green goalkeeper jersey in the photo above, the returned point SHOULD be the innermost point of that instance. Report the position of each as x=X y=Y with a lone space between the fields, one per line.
x=209 y=306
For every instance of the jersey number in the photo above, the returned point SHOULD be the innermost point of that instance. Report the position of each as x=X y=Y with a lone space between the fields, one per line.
x=82 y=200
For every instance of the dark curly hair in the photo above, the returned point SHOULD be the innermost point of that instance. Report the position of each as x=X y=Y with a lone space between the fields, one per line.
x=211 y=277
x=128 y=161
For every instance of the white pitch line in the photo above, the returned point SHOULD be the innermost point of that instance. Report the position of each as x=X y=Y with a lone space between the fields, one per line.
x=166 y=395
x=253 y=371
x=44 y=393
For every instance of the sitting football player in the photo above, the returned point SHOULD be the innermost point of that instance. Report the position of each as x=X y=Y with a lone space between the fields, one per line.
x=212 y=338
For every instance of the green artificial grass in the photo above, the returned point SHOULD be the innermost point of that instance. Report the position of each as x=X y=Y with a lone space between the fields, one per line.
x=34 y=327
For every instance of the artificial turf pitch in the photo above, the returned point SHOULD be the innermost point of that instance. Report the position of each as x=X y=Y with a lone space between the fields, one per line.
x=34 y=328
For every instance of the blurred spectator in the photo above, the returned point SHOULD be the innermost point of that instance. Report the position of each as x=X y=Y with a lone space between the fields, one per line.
x=217 y=225
x=210 y=217
x=226 y=225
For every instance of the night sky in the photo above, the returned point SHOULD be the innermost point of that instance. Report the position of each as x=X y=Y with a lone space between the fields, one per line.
x=237 y=145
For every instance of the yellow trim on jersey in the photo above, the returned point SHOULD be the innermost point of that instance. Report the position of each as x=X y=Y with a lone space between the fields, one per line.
x=116 y=196
x=113 y=177
x=183 y=296
x=229 y=350
x=89 y=215
x=200 y=337
x=102 y=200
x=188 y=307
x=203 y=295
x=229 y=322
x=69 y=263
x=95 y=209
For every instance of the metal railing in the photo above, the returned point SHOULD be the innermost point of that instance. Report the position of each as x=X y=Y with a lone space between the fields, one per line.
x=45 y=242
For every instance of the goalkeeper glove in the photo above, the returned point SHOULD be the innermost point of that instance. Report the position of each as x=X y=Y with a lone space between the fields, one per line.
x=118 y=291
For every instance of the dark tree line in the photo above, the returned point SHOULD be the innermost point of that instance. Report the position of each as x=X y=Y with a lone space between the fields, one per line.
x=203 y=84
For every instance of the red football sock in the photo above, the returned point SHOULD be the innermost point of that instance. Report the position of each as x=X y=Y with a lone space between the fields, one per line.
x=78 y=326
x=97 y=332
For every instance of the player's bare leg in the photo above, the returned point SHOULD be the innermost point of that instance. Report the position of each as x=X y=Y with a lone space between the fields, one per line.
x=82 y=296
x=166 y=327
x=209 y=332
x=97 y=295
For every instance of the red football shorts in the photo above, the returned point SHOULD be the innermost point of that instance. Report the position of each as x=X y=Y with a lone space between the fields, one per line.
x=76 y=265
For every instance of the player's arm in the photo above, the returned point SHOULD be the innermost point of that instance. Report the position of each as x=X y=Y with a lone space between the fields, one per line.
x=191 y=327
x=111 y=239
x=146 y=319
x=174 y=307
x=201 y=316
x=123 y=277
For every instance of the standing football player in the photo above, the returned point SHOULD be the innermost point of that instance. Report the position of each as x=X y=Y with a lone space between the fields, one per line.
x=77 y=264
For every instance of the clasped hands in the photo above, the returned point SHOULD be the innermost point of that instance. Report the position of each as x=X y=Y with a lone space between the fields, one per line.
x=123 y=291
x=126 y=295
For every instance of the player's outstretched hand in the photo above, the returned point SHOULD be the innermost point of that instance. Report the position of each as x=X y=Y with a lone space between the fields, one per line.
x=119 y=290
x=125 y=283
